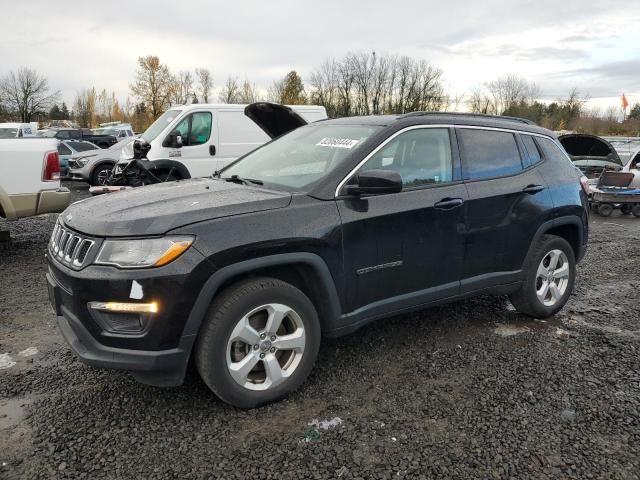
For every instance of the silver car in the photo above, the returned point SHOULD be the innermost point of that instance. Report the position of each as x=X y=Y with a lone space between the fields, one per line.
x=95 y=166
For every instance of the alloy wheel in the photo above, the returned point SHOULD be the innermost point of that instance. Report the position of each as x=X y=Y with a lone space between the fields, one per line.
x=265 y=347
x=552 y=277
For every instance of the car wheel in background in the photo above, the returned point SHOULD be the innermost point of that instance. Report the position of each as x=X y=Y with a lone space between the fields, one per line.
x=636 y=210
x=605 y=209
x=549 y=275
x=101 y=174
x=259 y=342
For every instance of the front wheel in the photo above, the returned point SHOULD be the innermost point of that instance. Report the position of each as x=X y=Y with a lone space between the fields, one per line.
x=259 y=342
x=549 y=275
x=101 y=174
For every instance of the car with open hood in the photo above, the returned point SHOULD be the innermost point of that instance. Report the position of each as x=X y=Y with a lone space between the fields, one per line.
x=591 y=154
x=324 y=229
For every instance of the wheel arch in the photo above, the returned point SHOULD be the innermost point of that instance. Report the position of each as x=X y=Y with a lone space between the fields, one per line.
x=570 y=228
x=180 y=167
x=306 y=271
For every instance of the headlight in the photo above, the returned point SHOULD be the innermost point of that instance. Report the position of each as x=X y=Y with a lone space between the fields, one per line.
x=149 y=252
x=82 y=161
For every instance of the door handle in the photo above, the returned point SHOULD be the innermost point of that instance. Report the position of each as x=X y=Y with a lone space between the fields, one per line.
x=531 y=189
x=449 y=204
x=212 y=150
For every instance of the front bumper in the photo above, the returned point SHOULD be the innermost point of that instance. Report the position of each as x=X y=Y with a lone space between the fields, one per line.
x=81 y=174
x=159 y=351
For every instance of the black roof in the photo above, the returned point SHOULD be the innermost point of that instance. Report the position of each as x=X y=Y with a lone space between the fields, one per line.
x=449 y=118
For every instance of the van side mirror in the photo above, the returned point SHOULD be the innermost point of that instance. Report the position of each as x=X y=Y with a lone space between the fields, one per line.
x=173 y=140
x=375 y=182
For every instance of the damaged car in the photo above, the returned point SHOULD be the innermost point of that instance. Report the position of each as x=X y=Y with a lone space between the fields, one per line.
x=591 y=154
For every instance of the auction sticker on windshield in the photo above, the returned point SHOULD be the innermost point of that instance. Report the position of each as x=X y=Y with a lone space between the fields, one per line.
x=337 y=142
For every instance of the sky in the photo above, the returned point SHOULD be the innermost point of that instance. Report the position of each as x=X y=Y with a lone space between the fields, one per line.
x=591 y=45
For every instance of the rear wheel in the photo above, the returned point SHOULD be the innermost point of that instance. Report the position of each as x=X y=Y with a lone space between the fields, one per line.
x=549 y=271
x=636 y=210
x=259 y=342
x=605 y=209
x=101 y=174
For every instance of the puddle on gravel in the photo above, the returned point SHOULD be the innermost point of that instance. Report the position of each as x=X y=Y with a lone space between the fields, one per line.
x=12 y=412
x=504 y=330
x=6 y=361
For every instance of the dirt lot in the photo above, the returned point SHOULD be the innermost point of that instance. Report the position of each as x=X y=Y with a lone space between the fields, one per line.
x=471 y=390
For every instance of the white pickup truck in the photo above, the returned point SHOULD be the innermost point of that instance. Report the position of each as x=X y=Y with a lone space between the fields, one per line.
x=30 y=178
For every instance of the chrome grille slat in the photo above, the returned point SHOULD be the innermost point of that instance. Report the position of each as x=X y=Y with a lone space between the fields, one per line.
x=68 y=247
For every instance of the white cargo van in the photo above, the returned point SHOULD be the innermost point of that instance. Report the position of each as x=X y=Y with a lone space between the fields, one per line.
x=17 y=130
x=207 y=137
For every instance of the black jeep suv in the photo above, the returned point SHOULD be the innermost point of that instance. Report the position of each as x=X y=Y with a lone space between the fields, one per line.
x=329 y=227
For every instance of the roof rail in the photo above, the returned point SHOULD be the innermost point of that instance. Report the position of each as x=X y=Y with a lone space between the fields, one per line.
x=479 y=115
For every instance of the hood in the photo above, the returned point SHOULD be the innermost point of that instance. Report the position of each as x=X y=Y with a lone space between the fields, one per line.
x=156 y=209
x=589 y=147
x=274 y=119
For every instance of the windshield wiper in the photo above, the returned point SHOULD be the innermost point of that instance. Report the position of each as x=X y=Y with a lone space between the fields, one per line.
x=243 y=181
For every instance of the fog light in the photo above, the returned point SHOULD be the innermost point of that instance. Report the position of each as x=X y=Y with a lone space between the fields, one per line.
x=125 y=307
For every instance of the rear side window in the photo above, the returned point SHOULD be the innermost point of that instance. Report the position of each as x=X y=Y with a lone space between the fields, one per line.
x=551 y=150
x=489 y=153
x=531 y=153
x=63 y=149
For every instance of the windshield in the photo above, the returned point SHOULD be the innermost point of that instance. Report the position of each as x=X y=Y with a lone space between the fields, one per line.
x=302 y=157
x=49 y=133
x=120 y=145
x=8 y=132
x=159 y=125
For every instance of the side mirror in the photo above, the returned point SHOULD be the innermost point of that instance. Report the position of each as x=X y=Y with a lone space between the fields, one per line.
x=375 y=182
x=173 y=140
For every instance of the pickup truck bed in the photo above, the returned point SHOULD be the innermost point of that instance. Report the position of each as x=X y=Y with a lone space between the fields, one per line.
x=24 y=190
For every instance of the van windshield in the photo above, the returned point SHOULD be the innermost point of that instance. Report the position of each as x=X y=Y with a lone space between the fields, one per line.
x=159 y=125
x=8 y=132
x=300 y=158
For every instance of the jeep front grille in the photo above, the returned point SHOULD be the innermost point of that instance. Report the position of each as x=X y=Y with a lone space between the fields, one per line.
x=68 y=247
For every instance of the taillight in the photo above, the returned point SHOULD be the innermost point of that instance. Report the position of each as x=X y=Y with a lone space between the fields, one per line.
x=584 y=183
x=51 y=171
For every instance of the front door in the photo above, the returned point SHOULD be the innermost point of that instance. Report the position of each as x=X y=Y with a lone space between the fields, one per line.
x=405 y=248
x=196 y=130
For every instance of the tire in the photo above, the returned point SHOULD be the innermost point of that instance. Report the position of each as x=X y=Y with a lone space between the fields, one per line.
x=248 y=303
x=626 y=209
x=526 y=299
x=98 y=177
x=636 y=210
x=605 y=209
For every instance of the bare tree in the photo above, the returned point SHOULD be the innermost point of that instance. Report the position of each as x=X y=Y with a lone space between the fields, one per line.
x=230 y=90
x=27 y=93
x=479 y=102
x=182 y=88
x=248 y=93
x=154 y=85
x=205 y=83
x=508 y=91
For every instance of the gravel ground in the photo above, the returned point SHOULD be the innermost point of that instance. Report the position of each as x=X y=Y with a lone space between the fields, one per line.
x=470 y=390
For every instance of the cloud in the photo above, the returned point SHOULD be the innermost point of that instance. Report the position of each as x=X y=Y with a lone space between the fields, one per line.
x=552 y=43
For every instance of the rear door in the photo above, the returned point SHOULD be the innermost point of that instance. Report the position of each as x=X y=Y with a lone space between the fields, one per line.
x=507 y=202
x=406 y=248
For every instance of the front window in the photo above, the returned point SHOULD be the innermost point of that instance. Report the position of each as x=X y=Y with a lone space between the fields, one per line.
x=302 y=157
x=159 y=125
x=195 y=129
x=8 y=132
x=421 y=157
